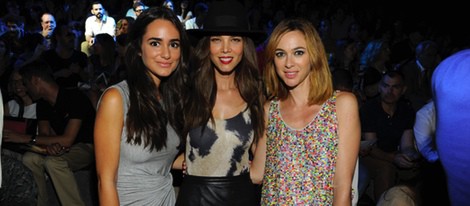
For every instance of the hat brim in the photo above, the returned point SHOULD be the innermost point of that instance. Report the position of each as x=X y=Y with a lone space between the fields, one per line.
x=256 y=36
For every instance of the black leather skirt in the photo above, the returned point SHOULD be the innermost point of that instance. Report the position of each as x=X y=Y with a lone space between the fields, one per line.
x=220 y=191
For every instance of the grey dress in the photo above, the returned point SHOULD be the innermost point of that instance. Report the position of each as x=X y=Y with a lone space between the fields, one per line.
x=144 y=177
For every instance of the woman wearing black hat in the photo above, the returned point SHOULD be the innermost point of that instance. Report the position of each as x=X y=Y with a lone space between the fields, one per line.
x=224 y=114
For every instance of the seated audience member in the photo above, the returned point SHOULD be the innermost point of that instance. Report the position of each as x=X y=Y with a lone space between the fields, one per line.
x=200 y=11
x=65 y=134
x=184 y=13
x=123 y=25
x=131 y=11
x=21 y=104
x=14 y=34
x=102 y=66
x=169 y=4
x=388 y=121
x=451 y=90
x=121 y=71
x=418 y=72
x=34 y=45
x=425 y=131
x=17 y=186
x=96 y=24
x=434 y=188
x=48 y=24
x=103 y=61
x=138 y=7
x=373 y=65
x=67 y=64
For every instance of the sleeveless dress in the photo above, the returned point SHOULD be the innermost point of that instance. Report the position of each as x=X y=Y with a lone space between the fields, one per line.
x=220 y=150
x=144 y=177
x=217 y=159
x=300 y=163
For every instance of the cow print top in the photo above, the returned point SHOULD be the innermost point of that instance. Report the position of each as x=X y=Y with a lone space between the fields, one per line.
x=221 y=149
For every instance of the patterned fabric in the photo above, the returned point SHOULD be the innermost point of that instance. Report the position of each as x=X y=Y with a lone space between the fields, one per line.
x=222 y=149
x=300 y=164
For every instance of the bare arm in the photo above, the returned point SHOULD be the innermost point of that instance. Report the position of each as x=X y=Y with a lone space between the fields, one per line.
x=259 y=159
x=407 y=141
x=349 y=132
x=178 y=163
x=108 y=128
x=398 y=158
x=375 y=151
x=46 y=136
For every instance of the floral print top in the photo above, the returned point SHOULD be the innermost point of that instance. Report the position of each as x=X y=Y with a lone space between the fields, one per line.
x=300 y=163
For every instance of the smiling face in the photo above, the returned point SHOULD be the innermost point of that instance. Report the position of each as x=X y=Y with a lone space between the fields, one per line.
x=226 y=52
x=48 y=22
x=291 y=59
x=160 y=49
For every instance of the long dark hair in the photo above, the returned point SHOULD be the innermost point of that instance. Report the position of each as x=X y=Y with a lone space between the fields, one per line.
x=147 y=117
x=204 y=88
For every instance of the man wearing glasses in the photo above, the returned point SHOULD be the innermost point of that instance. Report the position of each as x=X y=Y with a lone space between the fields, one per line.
x=137 y=8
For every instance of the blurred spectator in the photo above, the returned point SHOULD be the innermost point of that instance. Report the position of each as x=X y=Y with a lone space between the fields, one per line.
x=34 y=45
x=418 y=72
x=14 y=34
x=48 y=25
x=131 y=11
x=68 y=64
x=184 y=12
x=99 y=23
x=139 y=7
x=200 y=11
x=169 y=4
x=434 y=187
x=65 y=132
x=373 y=65
x=123 y=25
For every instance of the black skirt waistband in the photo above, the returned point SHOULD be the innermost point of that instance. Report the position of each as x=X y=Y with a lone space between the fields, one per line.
x=215 y=180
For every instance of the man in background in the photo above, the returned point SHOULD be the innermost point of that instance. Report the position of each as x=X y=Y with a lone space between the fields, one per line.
x=96 y=24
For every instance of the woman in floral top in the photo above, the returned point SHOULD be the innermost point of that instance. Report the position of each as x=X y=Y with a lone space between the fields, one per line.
x=312 y=134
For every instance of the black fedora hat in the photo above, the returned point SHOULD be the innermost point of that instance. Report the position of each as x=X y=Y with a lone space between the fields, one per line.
x=227 y=17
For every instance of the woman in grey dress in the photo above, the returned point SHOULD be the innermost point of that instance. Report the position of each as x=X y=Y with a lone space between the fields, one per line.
x=139 y=120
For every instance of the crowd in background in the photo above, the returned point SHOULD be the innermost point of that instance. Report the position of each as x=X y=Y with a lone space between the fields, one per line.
x=371 y=47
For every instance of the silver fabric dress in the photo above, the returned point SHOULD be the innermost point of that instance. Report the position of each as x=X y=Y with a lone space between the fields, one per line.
x=144 y=177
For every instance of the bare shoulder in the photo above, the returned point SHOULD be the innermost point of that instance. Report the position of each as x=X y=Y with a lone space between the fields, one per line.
x=346 y=100
x=111 y=97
